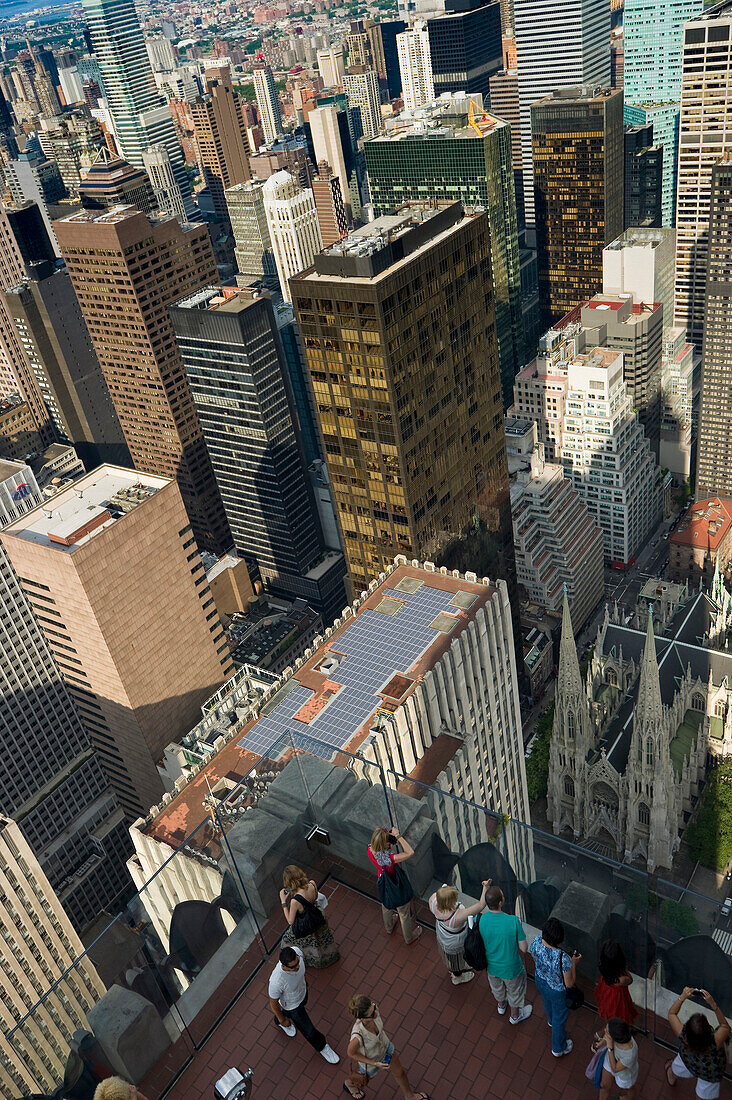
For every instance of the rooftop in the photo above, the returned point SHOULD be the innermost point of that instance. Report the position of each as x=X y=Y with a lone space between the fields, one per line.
x=704 y=525
x=450 y=1039
x=79 y=512
x=342 y=687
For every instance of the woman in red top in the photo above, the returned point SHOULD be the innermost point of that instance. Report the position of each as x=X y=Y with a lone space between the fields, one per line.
x=394 y=888
x=613 y=997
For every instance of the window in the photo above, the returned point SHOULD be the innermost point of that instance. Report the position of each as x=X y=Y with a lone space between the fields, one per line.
x=649 y=752
x=569 y=786
x=719 y=709
x=644 y=814
x=570 y=725
x=612 y=677
x=697 y=701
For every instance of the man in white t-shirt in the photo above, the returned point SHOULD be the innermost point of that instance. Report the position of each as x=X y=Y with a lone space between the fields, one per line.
x=288 y=994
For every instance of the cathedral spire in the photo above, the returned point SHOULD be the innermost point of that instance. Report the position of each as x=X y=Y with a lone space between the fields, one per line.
x=649 y=707
x=569 y=669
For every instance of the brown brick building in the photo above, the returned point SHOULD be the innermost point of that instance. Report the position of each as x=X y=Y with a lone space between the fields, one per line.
x=220 y=132
x=126 y=269
x=113 y=573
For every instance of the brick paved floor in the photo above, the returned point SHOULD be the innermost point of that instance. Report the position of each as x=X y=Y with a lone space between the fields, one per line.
x=450 y=1039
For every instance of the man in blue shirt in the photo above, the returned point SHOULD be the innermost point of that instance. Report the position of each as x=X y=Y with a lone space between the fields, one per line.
x=505 y=942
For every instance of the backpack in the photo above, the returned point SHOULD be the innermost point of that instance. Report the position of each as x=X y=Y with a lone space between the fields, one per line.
x=474 y=948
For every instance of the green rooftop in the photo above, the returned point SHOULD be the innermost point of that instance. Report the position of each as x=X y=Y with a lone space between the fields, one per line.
x=685 y=737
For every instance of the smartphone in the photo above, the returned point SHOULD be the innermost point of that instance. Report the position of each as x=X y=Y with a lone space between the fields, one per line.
x=386 y=1058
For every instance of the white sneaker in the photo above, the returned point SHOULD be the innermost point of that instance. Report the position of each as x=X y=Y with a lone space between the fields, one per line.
x=460 y=979
x=330 y=1055
x=290 y=1030
x=568 y=1047
x=523 y=1014
x=502 y=1006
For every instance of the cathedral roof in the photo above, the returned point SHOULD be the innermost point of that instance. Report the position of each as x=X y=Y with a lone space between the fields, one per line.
x=676 y=651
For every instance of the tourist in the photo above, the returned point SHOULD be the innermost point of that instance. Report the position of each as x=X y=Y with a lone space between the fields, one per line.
x=702 y=1052
x=555 y=973
x=611 y=992
x=372 y=1049
x=308 y=928
x=451 y=929
x=505 y=942
x=620 y=1065
x=288 y=995
x=394 y=888
x=115 y=1088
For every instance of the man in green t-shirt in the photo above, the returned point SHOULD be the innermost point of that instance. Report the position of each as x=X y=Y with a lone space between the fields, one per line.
x=505 y=942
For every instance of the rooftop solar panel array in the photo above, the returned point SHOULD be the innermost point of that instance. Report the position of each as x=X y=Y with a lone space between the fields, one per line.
x=375 y=646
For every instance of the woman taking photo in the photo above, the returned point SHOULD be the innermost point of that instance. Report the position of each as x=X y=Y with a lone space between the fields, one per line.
x=451 y=929
x=555 y=974
x=372 y=1049
x=308 y=928
x=394 y=888
x=702 y=1052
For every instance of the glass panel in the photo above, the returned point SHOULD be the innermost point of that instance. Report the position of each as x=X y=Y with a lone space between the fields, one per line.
x=694 y=938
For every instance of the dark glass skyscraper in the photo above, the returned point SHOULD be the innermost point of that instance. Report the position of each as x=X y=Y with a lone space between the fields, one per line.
x=643 y=177
x=578 y=192
x=465 y=46
x=233 y=358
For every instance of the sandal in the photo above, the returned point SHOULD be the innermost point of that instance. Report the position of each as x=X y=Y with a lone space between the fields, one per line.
x=670 y=1074
x=356 y=1095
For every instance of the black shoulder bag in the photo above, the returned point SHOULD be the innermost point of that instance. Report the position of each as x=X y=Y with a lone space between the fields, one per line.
x=474 y=948
x=308 y=920
x=575 y=996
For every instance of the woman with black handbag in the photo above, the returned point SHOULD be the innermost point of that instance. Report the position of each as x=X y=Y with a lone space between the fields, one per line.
x=303 y=907
x=556 y=980
x=393 y=886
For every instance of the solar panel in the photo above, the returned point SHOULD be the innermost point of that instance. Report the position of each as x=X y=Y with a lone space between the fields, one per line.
x=375 y=646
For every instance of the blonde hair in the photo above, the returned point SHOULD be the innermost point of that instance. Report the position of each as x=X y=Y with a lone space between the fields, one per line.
x=293 y=878
x=380 y=840
x=447 y=897
x=359 y=1005
x=113 y=1088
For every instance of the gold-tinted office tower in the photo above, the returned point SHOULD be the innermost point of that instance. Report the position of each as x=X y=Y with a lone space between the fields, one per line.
x=398 y=330
x=577 y=136
x=220 y=130
x=126 y=269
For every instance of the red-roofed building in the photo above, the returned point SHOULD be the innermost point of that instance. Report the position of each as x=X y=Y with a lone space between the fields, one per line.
x=704 y=533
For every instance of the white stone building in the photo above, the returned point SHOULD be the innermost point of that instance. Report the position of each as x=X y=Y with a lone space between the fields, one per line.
x=415 y=66
x=294 y=230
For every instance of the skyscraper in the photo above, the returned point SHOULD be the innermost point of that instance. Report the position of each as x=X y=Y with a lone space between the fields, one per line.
x=292 y=220
x=112 y=569
x=331 y=67
x=51 y=782
x=705 y=136
x=141 y=266
x=652 y=37
x=41 y=945
x=162 y=176
x=329 y=205
x=415 y=66
x=465 y=44
x=252 y=244
x=414 y=442
x=220 y=130
x=45 y=312
x=578 y=187
x=456 y=160
x=111 y=181
x=268 y=101
x=643 y=178
x=361 y=86
x=714 y=448
x=325 y=131
x=141 y=116
x=550 y=57
x=234 y=362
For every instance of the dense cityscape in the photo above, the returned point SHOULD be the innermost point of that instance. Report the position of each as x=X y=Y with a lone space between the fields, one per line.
x=365 y=548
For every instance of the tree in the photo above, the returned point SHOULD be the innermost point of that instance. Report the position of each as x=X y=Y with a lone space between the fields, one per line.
x=537 y=763
x=710 y=835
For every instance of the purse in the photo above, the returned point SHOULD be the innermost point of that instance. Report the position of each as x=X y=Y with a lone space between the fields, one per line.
x=308 y=920
x=394 y=889
x=594 y=1069
x=575 y=996
x=474 y=948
